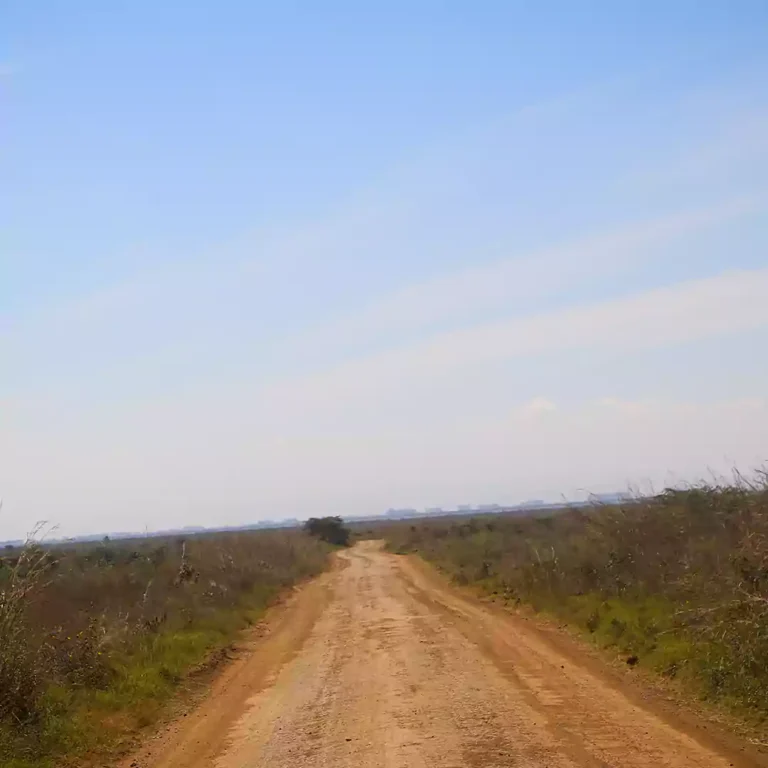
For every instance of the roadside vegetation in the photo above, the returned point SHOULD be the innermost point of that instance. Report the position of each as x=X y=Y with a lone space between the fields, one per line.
x=677 y=583
x=95 y=638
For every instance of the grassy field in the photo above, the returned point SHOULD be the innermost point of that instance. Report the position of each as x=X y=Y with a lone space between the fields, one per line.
x=677 y=583
x=95 y=638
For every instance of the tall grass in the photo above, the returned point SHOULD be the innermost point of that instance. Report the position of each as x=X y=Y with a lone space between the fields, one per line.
x=678 y=582
x=94 y=638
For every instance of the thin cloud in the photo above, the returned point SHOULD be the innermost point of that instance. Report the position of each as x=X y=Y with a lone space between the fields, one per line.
x=730 y=303
x=539 y=405
x=533 y=275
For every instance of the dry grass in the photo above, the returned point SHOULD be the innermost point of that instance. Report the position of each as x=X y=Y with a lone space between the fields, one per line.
x=678 y=583
x=94 y=638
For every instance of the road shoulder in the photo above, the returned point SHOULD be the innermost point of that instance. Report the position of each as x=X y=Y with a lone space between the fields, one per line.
x=196 y=732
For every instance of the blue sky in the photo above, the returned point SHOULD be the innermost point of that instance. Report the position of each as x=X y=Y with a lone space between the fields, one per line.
x=263 y=260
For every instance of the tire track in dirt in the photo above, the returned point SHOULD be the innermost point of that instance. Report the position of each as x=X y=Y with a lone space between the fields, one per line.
x=380 y=664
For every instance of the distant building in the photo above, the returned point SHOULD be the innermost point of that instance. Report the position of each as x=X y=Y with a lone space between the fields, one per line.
x=398 y=514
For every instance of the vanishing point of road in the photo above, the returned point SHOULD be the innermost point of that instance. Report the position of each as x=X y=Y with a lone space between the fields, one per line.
x=380 y=663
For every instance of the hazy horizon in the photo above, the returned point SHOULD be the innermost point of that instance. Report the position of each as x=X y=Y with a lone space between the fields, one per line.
x=265 y=262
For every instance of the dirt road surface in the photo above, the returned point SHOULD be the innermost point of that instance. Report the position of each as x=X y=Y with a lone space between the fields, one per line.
x=381 y=664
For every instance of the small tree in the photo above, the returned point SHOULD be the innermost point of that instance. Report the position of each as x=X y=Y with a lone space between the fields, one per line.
x=330 y=529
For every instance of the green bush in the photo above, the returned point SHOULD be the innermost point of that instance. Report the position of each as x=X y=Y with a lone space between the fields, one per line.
x=330 y=529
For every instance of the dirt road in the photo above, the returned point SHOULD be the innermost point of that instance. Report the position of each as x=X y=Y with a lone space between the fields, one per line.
x=380 y=664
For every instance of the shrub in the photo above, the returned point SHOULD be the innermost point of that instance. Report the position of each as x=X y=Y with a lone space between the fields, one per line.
x=22 y=673
x=329 y=529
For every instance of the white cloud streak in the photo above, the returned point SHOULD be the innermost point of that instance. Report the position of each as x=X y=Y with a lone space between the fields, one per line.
x=529 y=276
x=699 y=309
